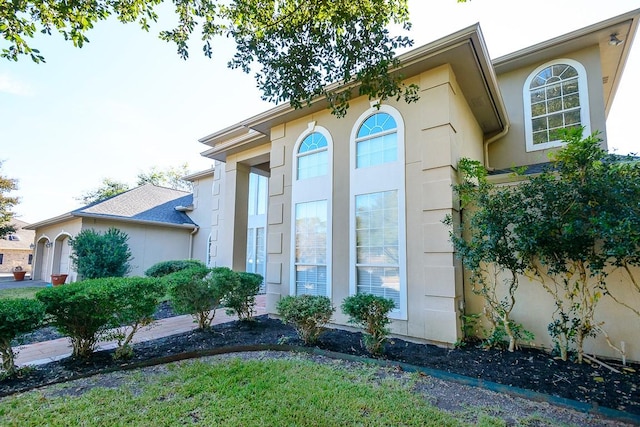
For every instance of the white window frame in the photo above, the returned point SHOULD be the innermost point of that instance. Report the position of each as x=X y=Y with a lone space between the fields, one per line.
x=377 y=179
x=310 y=190
x=585 y=118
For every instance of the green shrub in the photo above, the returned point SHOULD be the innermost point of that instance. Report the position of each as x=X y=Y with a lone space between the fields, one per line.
x=136 y=300
x=196 y=291
x=307 y=314
x=17 y=317
x=165 y=268
x=240 y=294
x=83 y=311
x=370 y=312
x=98 y=255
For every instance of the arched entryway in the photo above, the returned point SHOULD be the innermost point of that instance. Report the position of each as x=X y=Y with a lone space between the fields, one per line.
x=41 y=265
x=61 y=255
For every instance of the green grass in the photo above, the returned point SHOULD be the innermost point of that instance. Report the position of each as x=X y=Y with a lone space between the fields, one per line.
x=233 y=393
x=14 y=293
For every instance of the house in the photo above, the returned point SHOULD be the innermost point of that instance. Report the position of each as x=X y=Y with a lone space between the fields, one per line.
x=15 y=248
x=339 y=206
x=156 y=219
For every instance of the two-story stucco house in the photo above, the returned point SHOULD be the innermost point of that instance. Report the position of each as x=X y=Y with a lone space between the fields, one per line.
x=333 y=207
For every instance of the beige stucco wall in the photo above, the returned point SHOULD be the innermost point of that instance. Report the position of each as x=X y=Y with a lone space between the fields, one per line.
x=534 y=308
x=47 y=260
x=149 y=244
x=510 y=150
x=201 y=215
x=439 y=129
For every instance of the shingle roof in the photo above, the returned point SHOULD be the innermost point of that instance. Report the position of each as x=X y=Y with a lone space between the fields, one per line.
x=20 y=240
x=145 y=203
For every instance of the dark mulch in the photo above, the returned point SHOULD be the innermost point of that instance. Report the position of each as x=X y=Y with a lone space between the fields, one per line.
x=529 y=369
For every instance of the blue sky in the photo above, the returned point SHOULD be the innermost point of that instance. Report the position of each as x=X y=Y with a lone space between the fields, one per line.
x=126 y=102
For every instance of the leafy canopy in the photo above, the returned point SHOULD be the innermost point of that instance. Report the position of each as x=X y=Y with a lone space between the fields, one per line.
x=302 y=46
x=6 y=203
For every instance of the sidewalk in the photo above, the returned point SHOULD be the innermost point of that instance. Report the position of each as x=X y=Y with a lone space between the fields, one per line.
x=49 y=351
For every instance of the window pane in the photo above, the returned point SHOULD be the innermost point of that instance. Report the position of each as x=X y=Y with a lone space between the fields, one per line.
x=572 y=118
x=539 y=124
x=377 y=123
x=262 y=195
x=380 y=281
x=376 y=151
x=312 y=165
x=540 y=137
x=538 y=109
x=571 y=101
x=554 y=105
x=312 y=142
x=556 y=121
x=553 y=91
x=311 y=246
x=569 y=87
x=311 y=280
x=253 y=193
x=377 y=247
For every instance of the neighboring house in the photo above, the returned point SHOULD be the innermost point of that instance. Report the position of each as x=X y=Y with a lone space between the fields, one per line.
x=15 y=249
x=356 y=204
x=154 y=218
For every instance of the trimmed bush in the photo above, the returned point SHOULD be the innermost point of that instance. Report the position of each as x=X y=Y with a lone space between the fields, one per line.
x=136 y=300
x=196 y=291
x=240 y=294
x=83 y=311
x=165 y=268
x=370 y=312
x=307 y=314
x=17 y=317
x=98 y=255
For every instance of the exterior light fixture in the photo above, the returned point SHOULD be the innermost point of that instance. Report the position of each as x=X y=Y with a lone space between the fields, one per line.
x=32 y=246
x=614 y=40
x=48 y=244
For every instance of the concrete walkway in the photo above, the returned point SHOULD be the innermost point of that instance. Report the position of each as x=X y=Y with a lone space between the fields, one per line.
x=49 y=351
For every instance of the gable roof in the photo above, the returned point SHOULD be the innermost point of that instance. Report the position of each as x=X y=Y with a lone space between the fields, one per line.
x=464 y=50
x=613 y=56
x=147 y=204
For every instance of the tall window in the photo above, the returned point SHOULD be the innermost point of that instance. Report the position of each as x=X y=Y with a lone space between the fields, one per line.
x=256 y=224
x=555 y=97
x=311 y=207
x=377 y=256
x=378 y=248
x=311 y=248
x=312 y=156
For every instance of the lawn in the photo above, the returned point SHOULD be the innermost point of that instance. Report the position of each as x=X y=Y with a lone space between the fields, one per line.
x=13 y=293
x=233 y=392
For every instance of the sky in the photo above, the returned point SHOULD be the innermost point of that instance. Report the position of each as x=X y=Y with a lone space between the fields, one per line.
x=126 y=102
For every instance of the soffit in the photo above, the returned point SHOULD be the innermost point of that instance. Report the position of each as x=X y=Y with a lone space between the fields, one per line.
x=612 y=58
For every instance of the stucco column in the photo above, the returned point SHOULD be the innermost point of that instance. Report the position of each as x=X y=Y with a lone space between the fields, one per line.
x=232 y=245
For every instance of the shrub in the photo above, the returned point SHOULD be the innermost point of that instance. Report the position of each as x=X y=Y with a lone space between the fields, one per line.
x=136 y=300
x=240 y=294
x=83 y=311
x=98 y=255
x=165 y=268
x=196 y=291
x=307 y=314
x=371 y=313
x=17 y=316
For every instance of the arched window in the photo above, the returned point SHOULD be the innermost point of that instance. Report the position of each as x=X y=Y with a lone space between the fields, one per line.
x=377 y=141
x=377 y=209
x=555 y=97
x=311 y=213
x=312 y=156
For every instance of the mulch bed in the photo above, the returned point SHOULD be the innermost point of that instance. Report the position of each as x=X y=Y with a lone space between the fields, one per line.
x=528 y=369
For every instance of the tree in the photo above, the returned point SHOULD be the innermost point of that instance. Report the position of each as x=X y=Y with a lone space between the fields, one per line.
x=170 y=177
x=567 y=228
x=6 y=203
x=97 y=255
x=303 y=46
x=109 y=188
x=580 y=220
x=489 y=250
